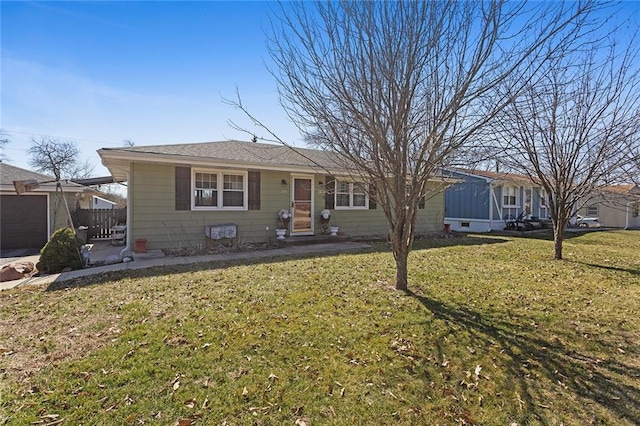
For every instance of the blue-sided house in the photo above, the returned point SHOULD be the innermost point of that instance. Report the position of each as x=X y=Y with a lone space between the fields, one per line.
x=484 y=201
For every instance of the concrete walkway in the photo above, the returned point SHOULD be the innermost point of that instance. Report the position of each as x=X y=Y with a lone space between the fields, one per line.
x=156 y=258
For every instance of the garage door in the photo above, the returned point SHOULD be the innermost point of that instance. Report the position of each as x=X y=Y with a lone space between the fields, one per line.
x=23 y=220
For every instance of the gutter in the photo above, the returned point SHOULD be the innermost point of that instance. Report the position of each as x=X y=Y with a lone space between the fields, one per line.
x=490 y=207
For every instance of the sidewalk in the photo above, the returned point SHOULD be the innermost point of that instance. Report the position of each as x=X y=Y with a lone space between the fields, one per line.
x=156 y=258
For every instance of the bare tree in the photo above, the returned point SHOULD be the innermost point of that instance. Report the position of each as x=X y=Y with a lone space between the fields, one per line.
x=633 y=168
x=4 y=140
x=4 y=137
x=60 y=158
x=397 y=89
x=575 y=130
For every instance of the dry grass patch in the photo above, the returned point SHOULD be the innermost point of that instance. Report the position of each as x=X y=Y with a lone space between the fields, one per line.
x=493 y=332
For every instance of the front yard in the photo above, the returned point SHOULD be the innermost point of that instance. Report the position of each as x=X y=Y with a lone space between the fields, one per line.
x=492 y=332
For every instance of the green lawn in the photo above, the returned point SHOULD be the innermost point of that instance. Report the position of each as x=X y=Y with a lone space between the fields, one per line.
x=493 y=332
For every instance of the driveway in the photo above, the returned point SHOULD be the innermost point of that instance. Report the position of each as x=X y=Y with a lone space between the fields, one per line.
x=8 y=256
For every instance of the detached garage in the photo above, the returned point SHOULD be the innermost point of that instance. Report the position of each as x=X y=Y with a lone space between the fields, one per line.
x=27 y=220
x=24 y=220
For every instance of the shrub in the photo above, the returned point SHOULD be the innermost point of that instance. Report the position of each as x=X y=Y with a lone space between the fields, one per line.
x=62 y=251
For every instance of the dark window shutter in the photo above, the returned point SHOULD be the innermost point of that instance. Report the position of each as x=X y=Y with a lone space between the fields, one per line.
x=330 y=187
x=421 y=203
x=254 y=190
x=372 y=190
x=183 y=188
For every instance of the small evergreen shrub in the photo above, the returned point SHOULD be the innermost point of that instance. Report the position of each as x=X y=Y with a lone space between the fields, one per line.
x=62 y=251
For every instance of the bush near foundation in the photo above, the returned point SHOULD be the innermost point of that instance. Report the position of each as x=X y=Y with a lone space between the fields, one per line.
x=61 y=252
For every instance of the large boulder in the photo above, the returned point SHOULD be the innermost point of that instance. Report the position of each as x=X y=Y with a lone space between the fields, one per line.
x=112 y=259
x=16 y=270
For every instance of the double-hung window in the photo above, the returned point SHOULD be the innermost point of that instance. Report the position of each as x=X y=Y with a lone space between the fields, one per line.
x=544 y=204
x=543 y=199
x=510 y=196
x=350 y=195
x=217 y=190
x=233 y=190
x=592 y=210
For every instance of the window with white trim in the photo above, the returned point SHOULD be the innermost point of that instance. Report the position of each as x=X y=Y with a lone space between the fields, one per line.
x=543 y=199
x=350 y=195
x=510 y=196
x=217 y=190
x=592 y=210
x=544 y=204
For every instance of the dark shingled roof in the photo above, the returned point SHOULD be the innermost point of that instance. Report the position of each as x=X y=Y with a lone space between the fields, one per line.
x=625 y=189
x=245 y=152
x=510 y=177
x=9 y=173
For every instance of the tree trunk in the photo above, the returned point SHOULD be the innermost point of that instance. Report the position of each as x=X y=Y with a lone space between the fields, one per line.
x=401 y=270
x=401 y=255
x=557 y=244
x=558 y=234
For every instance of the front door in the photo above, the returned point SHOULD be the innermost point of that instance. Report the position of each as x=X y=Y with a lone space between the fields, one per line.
x=302 y=205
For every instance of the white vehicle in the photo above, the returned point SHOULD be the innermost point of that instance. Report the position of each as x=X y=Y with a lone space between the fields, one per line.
x=587 y=222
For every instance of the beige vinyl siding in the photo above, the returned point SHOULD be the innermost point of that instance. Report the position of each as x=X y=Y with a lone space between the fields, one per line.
x=58 y=217
x=153 y=214
x=612 y=210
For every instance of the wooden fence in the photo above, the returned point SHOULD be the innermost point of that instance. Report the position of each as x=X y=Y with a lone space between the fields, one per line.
x=99 y=221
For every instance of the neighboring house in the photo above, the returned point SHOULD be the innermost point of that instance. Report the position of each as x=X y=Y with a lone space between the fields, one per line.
x=176 y=191
x=482 y=201
x=101 y=203
x=29 y=219
x=615 y=206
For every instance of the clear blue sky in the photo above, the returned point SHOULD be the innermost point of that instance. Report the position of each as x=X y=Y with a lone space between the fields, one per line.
x=152 y=72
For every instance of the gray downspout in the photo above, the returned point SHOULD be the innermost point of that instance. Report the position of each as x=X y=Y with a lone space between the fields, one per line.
x=490 y=207
x=626 y=219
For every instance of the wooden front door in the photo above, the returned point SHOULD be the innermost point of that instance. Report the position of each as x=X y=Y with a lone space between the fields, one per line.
x=302 y=206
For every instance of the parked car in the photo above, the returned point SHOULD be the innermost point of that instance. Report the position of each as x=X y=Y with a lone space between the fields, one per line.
x=587 y=222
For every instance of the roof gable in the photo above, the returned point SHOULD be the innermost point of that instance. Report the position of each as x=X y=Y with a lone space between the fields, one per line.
x=622 y=189
x=9 y=173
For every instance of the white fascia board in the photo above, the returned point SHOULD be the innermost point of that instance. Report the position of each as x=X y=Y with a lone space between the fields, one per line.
x=484 y=178
x=103 y=199
x=10 y=189
x=513 y=182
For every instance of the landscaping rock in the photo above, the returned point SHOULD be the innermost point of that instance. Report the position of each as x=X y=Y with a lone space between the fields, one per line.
x=113 y=259
x=16 y=271
x=125 y=252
